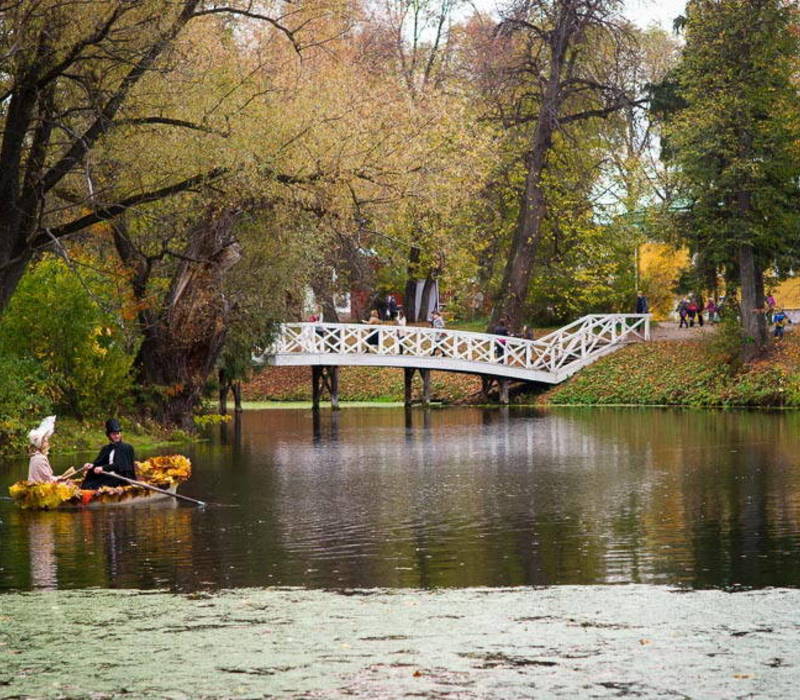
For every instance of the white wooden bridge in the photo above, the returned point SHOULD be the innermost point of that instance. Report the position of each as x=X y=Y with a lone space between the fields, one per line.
x=550 y=359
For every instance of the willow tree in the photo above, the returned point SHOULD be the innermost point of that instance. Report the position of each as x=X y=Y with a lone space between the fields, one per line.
x=736 y=142
x=318 y=145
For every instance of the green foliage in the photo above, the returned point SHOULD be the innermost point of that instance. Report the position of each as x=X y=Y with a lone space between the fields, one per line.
x=55 y=322
x=23 y=395
x=732 y=128
x=210 y=419
x=726 y=344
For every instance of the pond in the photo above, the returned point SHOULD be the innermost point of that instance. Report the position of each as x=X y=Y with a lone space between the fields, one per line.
x=443 y=498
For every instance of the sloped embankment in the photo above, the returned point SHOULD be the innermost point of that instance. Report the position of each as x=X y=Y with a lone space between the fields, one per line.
x=685 y=373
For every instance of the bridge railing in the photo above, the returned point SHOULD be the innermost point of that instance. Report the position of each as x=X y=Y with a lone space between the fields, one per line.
x=565 y=349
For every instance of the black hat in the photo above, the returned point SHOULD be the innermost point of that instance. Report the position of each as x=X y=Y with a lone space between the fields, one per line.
x=113 y=426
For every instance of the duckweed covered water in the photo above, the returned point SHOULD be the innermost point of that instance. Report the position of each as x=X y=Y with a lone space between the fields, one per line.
x=470 y=643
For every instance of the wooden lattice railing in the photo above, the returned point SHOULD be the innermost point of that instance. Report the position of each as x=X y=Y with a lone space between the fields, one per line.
x=559 y=354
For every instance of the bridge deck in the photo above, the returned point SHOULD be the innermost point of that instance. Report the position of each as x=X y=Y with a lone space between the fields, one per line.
x=550 y=359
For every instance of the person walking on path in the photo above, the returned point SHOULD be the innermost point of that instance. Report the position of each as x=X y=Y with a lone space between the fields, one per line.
x=772 y=307
x=683 y=312
x=691 y=311
x=780 y=319
x=641 y=303
x=713 y=311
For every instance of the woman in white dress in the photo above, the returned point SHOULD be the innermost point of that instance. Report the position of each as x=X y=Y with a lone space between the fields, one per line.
x=39 y=469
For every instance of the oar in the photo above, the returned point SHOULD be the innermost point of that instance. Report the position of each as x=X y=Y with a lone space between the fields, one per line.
x=71 y=473
x=154 y=488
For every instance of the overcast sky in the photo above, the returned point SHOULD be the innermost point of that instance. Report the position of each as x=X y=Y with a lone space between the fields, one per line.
x=642 y=12
x=662 y=12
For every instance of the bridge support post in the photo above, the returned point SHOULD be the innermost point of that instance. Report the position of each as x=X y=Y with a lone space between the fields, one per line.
x=426 y=386
x=503 y=385
x=486 y=385
x=333 y=386
x=502 y=388
x=327 y=377
x=408 y=385
x=316 y=386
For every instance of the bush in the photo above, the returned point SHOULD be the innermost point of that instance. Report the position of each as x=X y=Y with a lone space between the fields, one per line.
x=726 y=344
x=55 y=319
x=23 y=400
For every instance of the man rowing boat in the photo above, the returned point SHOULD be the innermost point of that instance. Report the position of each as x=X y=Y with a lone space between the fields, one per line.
x=116 y=456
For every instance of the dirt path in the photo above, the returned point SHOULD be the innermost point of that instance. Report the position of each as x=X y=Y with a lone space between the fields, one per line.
x=668 y=330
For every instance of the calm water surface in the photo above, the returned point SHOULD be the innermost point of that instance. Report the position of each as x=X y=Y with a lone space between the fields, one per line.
x=451 y=497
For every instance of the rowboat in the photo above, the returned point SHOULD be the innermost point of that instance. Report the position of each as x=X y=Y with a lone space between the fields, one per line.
x=159 y=481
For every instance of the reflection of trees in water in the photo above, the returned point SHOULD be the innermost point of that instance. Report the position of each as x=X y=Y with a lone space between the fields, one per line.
x=449 y=497
x=729 y=498
x=568 y=496
x=117 y=547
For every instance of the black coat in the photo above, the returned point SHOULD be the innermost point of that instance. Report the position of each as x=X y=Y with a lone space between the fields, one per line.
x=117 y=457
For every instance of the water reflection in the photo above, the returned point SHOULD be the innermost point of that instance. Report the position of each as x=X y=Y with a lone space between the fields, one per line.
x=446 y=497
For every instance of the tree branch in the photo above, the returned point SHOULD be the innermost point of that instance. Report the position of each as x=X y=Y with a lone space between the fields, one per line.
x=82 y=144
x=253 y=15
x=171 y=122
x=112 y=210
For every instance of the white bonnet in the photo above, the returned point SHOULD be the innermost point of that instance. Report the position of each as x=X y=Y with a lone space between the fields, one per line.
x=45 y=430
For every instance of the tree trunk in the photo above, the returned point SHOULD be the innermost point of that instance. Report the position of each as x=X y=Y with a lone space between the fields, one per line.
x=410 y=299
x=752 y=285
x=237 y=397
x=532 y=208
x=422 y=311
x=324 y=297
x=224 y=386
x=183 y=339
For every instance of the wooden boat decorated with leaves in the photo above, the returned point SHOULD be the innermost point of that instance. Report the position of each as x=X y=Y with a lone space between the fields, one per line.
x=159 y=478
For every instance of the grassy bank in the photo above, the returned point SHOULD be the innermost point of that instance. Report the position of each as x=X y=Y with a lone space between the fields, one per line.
x=374 y=384
x=73 y=436
x=685 y=373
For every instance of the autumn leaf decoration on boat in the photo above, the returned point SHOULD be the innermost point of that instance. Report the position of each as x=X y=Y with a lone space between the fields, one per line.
x=169 y=470
x=165 y=472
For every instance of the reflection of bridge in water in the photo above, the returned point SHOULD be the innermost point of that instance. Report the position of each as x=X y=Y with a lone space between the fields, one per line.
x=550 y=359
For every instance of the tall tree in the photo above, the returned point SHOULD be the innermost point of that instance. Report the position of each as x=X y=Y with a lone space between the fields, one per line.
x=569 y=81
x=736 y=142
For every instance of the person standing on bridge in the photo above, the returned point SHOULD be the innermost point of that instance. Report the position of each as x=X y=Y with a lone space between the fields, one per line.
x=374 y=338
x=501 y=328
x=641 y=303
x=401 y=331
x=438 y=341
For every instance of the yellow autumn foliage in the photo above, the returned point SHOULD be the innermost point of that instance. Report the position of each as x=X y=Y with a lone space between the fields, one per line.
x=43 y=496
x=660 y=265
x=165 y=470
